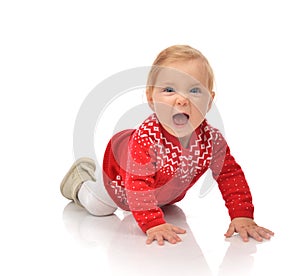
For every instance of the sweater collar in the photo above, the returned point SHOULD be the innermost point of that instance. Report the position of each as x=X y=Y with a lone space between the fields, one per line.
x=194 y=139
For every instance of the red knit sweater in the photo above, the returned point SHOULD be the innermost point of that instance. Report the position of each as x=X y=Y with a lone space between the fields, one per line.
x=146 y=168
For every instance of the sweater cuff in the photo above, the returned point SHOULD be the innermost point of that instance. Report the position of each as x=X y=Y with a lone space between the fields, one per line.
x=151 y=224
x=241 y=213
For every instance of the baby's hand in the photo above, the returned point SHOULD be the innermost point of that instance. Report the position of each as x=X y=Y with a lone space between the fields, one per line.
x=163 y=232
x=246 y=227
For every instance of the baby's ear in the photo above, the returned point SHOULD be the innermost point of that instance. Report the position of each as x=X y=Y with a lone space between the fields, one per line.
x=149 y=92
x=212 y=96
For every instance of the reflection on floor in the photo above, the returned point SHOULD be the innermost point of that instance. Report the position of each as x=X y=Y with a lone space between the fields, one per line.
x=124 y=244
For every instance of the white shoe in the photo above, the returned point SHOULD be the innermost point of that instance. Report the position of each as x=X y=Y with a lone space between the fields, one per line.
x=82 y=170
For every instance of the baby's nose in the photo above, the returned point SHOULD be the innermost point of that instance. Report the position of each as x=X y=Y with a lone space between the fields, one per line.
x=182 y=99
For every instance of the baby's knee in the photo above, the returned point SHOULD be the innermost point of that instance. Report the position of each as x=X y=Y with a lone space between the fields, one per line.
x=93 y=204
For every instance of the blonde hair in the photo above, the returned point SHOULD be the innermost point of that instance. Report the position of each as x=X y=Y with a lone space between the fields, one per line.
x=178 y=53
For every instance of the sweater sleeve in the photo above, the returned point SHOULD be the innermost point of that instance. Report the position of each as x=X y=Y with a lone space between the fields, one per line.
x=140 y=183
x=231 y=180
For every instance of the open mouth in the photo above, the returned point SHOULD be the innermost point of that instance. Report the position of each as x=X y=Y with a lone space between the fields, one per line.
x=180 y=119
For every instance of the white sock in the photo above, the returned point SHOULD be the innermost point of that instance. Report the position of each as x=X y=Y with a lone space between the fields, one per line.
x=95 y=200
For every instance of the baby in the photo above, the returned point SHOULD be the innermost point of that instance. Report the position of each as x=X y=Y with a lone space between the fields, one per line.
x=157 y=163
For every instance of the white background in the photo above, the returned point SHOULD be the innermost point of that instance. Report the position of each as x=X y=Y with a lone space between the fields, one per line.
x=53 y=53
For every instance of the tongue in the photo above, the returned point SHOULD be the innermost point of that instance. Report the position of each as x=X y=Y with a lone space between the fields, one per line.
x=180 y=119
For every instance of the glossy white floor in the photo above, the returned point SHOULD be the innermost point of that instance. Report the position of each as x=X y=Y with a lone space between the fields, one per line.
x=51 y=236
x=204 y=250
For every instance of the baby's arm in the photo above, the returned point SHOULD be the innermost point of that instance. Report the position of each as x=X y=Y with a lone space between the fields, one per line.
x=140 y=190
x=236 y=193
x=151 y=221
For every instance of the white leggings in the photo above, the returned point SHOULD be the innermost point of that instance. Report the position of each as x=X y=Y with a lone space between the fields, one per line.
x=95 y=199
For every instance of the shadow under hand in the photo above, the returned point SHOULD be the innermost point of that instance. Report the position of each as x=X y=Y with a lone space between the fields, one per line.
x=126 y=244
x=130 y=252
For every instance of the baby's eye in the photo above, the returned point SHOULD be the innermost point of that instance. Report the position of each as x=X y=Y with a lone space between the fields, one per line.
x=169 y=89
x=195 y=90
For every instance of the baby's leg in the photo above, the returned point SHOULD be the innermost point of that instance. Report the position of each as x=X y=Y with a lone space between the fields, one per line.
x=94 y=198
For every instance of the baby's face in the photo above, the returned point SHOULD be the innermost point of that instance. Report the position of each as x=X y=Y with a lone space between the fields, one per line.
x=180 y=97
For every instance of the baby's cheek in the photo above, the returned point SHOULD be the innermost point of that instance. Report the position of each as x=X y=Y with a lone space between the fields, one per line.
x=201 y=108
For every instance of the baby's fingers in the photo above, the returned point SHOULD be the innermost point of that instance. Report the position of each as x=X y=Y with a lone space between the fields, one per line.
x=150 y=239
x=178 y=230
x=160 y=237
x=265 y=233
x=172 y=238
x=157 y=236
x=244 y=235
x=268 y=231
x=230 y=231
